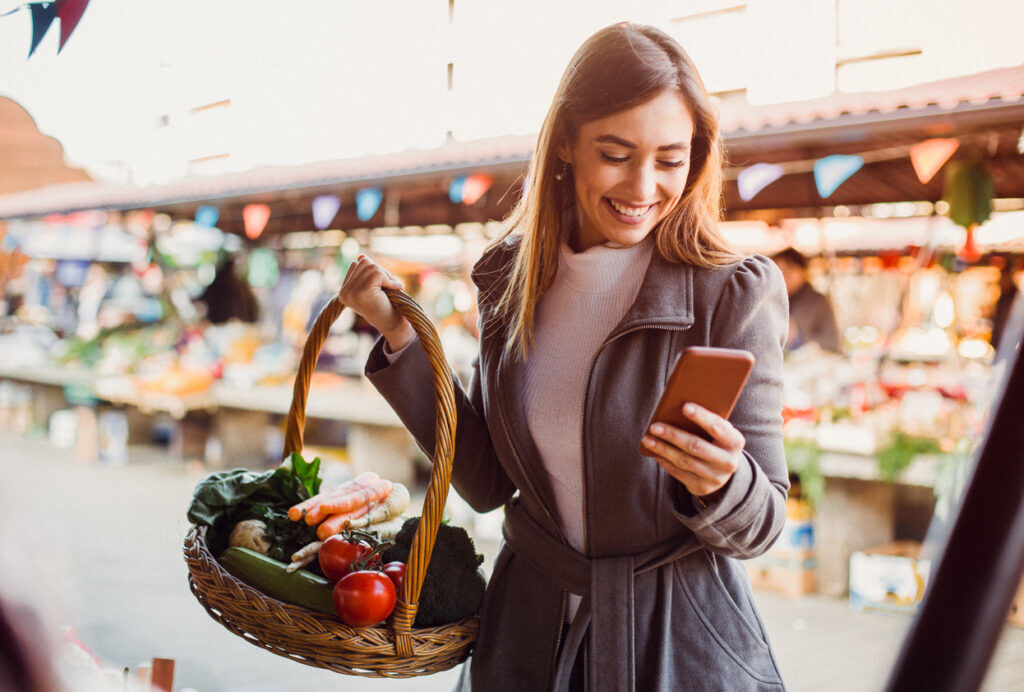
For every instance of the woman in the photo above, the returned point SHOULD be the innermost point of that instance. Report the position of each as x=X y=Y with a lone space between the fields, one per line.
x=616 y=572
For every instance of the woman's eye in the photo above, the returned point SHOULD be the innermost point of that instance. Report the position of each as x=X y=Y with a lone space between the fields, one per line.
x=673 y=164
x=614 y=159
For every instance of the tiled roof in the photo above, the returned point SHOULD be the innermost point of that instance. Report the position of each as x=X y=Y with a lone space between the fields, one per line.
x=1003 y=84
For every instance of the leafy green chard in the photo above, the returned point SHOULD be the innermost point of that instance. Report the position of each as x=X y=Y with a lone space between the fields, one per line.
x=224 y=498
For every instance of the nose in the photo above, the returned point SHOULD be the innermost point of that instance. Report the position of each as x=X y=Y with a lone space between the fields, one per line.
x=643 y=182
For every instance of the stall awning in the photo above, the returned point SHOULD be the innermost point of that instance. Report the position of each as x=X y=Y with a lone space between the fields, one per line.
x=987 y=105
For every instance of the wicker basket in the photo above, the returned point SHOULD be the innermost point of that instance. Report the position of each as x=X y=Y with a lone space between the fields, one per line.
x=396 y=650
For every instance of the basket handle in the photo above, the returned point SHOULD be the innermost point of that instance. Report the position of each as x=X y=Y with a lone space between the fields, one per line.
x=444 y=448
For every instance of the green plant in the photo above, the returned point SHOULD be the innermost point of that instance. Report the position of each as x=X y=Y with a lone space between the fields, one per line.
x=895 y=458
x=803 y=457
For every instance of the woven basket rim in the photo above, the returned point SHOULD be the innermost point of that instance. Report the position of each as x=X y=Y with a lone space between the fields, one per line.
x=343 y=648
x=198 y=535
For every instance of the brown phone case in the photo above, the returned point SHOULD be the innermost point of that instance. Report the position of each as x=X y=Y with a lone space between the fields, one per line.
x=709 y=376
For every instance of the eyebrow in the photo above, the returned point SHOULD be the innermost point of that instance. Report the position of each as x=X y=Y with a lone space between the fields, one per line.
x=612 y=139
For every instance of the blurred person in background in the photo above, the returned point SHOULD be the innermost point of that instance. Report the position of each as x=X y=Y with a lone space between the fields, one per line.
x=229 y=296
x=619 y=570
x=1004 y=304
x=811 y=317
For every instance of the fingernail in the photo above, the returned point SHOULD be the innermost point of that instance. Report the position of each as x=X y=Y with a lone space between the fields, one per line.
x=648 y=441
x=657 y=429
x=689 y=409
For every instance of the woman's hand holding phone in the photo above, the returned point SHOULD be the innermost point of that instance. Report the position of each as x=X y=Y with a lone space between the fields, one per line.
x=703 y=466
x=363 y=291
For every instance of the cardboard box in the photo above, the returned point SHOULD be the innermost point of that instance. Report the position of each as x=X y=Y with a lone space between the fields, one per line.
x=889 y=578
x=789 y=577
x=795 y=542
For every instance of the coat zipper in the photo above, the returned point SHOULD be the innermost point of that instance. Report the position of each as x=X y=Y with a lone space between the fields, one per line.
x=583 y=416
x=519 y=463
x=561 y=626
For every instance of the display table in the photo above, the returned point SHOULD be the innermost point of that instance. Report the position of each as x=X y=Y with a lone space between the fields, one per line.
x=237 y=416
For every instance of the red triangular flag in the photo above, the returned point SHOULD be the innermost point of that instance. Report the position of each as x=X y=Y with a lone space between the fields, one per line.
x=928 y=156
x=69 y=11
x=42 y=18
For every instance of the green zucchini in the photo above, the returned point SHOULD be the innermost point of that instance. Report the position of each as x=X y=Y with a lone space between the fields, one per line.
x=301 y=587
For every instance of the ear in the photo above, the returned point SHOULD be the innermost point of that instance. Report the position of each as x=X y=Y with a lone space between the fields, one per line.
x=564 y=152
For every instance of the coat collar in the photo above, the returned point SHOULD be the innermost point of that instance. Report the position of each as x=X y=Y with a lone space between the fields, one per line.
x=665 y=300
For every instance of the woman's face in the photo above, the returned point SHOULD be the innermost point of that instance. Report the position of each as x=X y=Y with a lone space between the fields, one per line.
x=629 y=170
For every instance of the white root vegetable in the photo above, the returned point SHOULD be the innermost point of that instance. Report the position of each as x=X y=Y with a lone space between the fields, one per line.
x=307 y=550
x=296 y=564
x=393 y=505
x=387 y=530
x=303 y=556
x=251 y=534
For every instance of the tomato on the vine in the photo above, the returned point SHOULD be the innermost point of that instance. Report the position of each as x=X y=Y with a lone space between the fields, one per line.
x=395 y=571
x=364 y=598
x=337 y=556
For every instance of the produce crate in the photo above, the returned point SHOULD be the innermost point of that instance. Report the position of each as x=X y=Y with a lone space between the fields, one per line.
x=888 y=578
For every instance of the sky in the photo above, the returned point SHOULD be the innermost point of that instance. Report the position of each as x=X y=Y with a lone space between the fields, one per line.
x=324 y=79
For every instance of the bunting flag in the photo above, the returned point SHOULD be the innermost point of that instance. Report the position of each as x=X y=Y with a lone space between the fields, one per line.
x=832 y=171
x=42 y=17
x=70 y=12
x=455 y=188
x=255 y=217
x=930 y=155
x=43 y=13
x=207 y=215
x=367 y=202
x=753 y=179
x=467 y=189
x=475 y=187
x=324 y=209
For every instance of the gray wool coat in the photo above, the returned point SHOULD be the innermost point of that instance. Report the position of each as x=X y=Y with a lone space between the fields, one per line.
x=666 y=605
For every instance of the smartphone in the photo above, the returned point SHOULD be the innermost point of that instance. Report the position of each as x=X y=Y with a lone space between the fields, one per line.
x=708 y=376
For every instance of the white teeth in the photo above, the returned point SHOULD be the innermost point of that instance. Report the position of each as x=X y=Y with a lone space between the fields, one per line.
x=629 y=211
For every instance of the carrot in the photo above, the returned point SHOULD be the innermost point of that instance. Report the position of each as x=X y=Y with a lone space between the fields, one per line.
x=345 y=503
x=296 y=512
x=397 y=501
x=338 y=522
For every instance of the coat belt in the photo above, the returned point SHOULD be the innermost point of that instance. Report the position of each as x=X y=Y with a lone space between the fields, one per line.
x=606 y=587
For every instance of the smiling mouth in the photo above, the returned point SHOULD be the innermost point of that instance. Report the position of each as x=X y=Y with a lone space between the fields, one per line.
x=627 y=209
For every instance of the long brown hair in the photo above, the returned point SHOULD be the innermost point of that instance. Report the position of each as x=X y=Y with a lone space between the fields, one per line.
x=620 y=67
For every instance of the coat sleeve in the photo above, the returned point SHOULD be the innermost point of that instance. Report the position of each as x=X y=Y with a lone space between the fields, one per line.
x=408 y=386
x=753 y=314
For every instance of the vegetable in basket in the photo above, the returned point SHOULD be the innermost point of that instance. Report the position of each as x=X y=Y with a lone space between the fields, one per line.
x=224 y=498
x=453 y=587
x=269 y=576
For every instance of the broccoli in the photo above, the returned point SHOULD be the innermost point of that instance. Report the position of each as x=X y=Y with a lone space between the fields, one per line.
x=454 y=586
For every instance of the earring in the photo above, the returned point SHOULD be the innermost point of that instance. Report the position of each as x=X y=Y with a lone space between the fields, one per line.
x=560 y=175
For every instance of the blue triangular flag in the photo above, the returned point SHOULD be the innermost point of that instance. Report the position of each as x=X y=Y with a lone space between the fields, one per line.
x=42 y=18
x=367 y=202
x=207 y=215
x=455 y=189
x=753 y=179
x=832 y=171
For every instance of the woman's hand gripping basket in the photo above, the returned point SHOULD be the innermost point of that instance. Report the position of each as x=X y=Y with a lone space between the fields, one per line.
x=397 y=649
